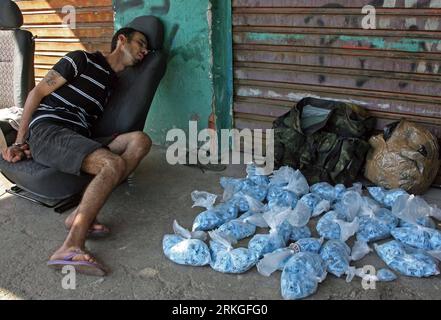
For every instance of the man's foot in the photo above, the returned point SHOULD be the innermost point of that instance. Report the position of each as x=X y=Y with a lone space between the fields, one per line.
x=97 y=229
x=82 y=261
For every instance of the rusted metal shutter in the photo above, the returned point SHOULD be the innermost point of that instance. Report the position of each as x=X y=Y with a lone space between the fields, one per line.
x=94 y=28
x=285 y=50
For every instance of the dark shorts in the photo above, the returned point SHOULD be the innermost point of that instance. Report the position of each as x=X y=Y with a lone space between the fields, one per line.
x=61 y=147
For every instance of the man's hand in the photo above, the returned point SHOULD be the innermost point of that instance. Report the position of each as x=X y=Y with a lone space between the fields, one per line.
x=16 y=153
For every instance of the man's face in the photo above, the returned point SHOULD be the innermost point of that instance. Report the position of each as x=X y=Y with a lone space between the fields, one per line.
x=135 y=49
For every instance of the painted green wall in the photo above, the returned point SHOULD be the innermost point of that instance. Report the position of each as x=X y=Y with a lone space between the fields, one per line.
x=188 y=90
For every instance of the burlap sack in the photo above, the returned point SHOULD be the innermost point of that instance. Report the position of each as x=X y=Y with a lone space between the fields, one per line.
x=406 y=156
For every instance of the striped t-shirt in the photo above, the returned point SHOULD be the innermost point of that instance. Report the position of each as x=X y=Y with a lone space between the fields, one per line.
x=81 y=100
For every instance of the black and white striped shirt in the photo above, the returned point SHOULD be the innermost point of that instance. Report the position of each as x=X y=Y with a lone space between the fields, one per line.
x=81 y=100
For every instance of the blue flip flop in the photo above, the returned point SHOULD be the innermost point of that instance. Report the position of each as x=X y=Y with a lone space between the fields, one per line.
x=84 y=267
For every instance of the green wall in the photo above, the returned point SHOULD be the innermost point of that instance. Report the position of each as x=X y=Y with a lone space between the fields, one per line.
x=196 y=81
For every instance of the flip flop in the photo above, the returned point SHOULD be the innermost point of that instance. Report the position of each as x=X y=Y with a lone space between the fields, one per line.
x=84 y=267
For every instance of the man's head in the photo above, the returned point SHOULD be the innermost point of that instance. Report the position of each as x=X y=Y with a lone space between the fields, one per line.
x=132 y=44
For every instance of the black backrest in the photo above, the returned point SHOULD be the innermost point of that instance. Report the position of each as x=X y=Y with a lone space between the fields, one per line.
x=129 y=104
x=16 y=57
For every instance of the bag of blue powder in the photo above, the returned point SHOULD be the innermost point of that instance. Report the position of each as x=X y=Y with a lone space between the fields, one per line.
x=226 y=259
x=185 y=247
x=386 y=197
x=337 y=256
x=216 y=216
x=331 y=227
x=316 y=204
x=277 y=260
x=418 y=237
x=244 y=226
x=301 y=275
x=407 y=261
x=378 y=226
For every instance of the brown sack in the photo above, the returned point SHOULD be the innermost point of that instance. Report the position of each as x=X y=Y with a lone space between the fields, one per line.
x=405 y=156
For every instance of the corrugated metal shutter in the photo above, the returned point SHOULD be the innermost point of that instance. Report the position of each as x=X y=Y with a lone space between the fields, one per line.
x=285 y=50
x=94 y=28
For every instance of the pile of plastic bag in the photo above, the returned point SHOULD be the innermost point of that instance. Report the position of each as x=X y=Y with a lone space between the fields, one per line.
x=273 y=214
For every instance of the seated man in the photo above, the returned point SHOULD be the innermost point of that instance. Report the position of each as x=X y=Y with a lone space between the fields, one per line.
x=55 y=130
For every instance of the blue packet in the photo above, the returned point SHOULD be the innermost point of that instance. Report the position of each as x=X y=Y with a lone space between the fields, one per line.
x=336 y=254
x=418 y=237
x=331 y=227
x=240 y=228
x=301 y=275
x=377 y=227
x=228 y=260
x=185 y=247
x=422 y=221
x=215 y=217
x=407 y=261
x=324 y=190
x=386 y=197
x=279 y=197
x=298 y=233
x=386 y=275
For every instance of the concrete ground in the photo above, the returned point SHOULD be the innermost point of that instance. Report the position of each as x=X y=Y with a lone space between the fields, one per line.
x=139 y=213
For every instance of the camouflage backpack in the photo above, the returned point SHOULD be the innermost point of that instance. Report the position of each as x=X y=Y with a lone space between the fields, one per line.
x=326 y=140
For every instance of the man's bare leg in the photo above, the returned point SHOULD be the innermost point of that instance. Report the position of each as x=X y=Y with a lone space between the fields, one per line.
x=132 y=147
x=108 y=169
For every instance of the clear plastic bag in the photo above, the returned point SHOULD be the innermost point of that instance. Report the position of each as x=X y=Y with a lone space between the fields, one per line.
x=185 y=247
x=239 y=228
x=213 y=218
x=325 y=191
x=418 y=237
x=300 y=215
x=359 y=250
x=331 y=227
x=277 y=259
x=298 y=184
x=407 y=261
x=336 y=254
x=256 y=175
x=226 y=259
x=349 y=205
x=278 y=197
x=203 y=199
x=301 y=275
x=316 y=204
x=383 y=275
x=299 y=233
x=376 y=227
x=386 y=197
x=413 y=209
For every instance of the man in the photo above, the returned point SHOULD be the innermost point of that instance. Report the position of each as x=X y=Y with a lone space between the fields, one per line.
x=55 y=130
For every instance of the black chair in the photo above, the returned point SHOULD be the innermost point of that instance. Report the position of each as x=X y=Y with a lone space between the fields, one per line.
x=16 y=62
x=126 y=111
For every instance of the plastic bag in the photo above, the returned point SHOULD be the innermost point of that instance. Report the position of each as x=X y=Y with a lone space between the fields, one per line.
x=277 y=220
x=277 y=259
x=282 y=176
x=300 y=215
x=359 y=250
x=316 y=204
x=418 y=237
x=407 y=261
x=256 y=175
x=297 y=184
x=262 y=244
x=298 y=233
x=325 y=191
x=226 y=259
x=203 y=199
x=385 y=197
x=257 y=191
x=376 y=227
x=185 y=247
x=215 y=217
x=423 y=221
x=349 y=205
x=412 y=209
x=278 y=197
x=240 y=228
x=330 y=227
x=301 y=275
x=336 y=254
